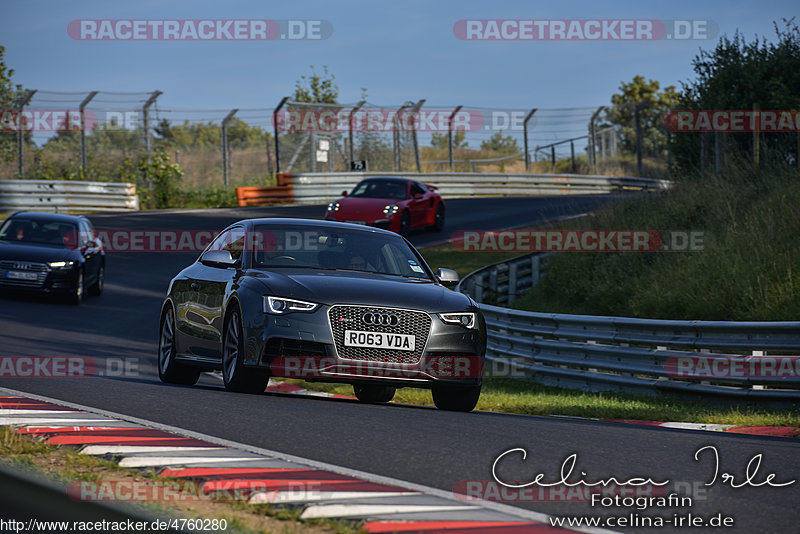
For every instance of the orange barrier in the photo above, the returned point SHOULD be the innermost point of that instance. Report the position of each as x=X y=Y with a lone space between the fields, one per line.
x=262 y=196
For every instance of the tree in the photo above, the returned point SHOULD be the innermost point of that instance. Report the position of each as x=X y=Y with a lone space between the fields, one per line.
x=316 y=88
x=439 y=140
x=503 y=145
x=735 y=75
x=651 y=116
x=9 y=96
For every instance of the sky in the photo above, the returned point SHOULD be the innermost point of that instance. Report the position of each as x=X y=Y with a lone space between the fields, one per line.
x=398 y=51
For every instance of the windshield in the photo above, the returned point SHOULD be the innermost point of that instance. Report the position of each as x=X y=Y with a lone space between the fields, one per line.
x=57 y=233
x=336 y=249
x=394 y=189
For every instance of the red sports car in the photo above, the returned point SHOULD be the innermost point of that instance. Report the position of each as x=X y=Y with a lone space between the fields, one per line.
x=396 y=204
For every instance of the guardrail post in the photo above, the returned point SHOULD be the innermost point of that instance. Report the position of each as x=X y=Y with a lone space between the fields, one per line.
x=479 y=281
x=512 y=283
x=350 y=128
x=534 y=270
x=23 y=101
x=82 y=109
x=450 y=136
x=275 y=129
x=225 y=162
x=525 y=139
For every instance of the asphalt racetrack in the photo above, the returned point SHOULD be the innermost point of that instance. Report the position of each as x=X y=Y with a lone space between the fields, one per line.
x=417 y=444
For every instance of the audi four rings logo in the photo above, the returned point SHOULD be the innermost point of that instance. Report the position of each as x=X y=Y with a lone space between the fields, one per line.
x=380 y=319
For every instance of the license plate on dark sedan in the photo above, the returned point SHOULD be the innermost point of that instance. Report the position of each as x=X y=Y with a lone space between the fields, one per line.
x=22 y=275
x=378 y=340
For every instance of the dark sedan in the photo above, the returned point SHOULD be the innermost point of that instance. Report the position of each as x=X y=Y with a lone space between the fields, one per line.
x=51 y=253
x=322 y=301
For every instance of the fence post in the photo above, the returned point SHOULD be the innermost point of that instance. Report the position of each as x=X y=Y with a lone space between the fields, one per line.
x=639 y=135
x=23 y=101
x=572 y=153
x=82 y=108
x=146 y=122
x=716 y=154
x=450 y=136
x=416 y=109
x=350 y=128
x=592 y=155
x=757 y=135
x=225 y=121
x=275 y=129
x=525 y=137
x=553 y=155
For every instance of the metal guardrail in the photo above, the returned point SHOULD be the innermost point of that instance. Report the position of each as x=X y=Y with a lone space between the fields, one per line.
x=30 y=499
x=598 y=353
x=317 y=188
x=63 y=196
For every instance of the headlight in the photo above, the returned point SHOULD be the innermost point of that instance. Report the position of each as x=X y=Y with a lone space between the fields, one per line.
x=333 y=206
x=390 y=210
x=465 y=319
x=61 y=264
x=281 y=305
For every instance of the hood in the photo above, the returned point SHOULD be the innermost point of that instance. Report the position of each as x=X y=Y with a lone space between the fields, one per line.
x=35 y=252
x=364 y=206
x=348 y=287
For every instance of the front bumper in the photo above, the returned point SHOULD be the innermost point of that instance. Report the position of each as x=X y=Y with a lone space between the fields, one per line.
x=304 y=346
x=47 y=281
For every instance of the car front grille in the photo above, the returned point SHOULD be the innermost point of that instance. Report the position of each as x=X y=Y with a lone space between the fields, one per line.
x=411 y=322
x=41 y=270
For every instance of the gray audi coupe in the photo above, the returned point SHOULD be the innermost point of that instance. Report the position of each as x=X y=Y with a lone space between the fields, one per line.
x=322 y=301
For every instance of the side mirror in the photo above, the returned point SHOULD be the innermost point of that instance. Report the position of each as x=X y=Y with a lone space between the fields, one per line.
x=447 y=277
x=344 y=193
x=218 y=258
x=418 y=196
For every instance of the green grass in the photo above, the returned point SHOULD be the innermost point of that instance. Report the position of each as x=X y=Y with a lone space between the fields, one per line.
x=517 y=396
x=748 y=270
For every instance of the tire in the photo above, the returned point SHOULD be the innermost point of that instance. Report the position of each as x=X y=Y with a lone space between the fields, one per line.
x=438 y=222
x=169 y=370
x=405 y=225
x=456 y=398
x=374 y=394
x=97 y=288
x=78 y=290
x=236 y=376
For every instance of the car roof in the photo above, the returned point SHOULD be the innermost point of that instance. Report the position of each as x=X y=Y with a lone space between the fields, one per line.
x=47 y=216
x=314 y=223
